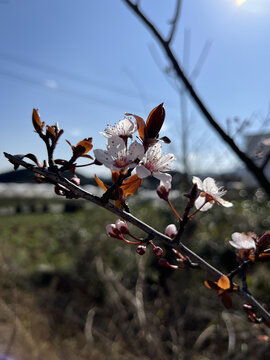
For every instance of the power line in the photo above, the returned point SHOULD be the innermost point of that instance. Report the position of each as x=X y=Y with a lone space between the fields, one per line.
x=75 y=77
x=78 y=94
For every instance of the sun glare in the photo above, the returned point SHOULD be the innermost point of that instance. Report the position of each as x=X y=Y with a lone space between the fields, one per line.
x=240 y=2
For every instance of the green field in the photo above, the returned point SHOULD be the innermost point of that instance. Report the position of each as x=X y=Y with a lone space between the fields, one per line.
x=70 y=292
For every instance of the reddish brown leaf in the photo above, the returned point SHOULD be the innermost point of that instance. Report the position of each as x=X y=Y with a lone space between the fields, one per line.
x=211 y=285
x=264 y=257
x=101 y=183
x=141 y=126
x=85 y=144
x=118 y=204
x=165 y=139
x=60 y=161
x=264 y=242
x=87 y=156
x=130 y=185
x=226 y=300
x=37 y=123
x=155 y=121
x=72 y=147
x=224 y=282
x=115 y=176
x=33 y=158
x=51 y=131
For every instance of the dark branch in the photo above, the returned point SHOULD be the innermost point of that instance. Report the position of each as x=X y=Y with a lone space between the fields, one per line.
x=265 y=161
x=174 y=21
x=83 y=194
x=253 y=168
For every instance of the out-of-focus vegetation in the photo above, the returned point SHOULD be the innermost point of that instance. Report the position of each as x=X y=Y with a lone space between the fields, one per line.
x=70 y=292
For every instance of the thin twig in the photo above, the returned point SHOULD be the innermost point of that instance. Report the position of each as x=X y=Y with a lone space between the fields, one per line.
x=174 y=21
x=252 y=167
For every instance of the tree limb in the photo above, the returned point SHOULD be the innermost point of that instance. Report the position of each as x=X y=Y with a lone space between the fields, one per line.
x=81 y=193
x=253 y=168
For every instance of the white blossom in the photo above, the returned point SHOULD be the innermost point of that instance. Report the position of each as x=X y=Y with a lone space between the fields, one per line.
x=154 y=163
x=243 y=241
x=124 y=128
x=117 y=157
x=210 y=194
x=171 y=231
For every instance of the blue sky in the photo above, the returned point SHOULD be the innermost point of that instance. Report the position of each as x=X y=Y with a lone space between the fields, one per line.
x=85 y=63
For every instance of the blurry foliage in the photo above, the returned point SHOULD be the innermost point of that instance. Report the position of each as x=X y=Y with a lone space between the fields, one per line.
x=82 y=295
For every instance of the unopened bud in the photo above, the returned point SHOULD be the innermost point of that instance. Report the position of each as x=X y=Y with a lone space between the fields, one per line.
x=171 y=231
x=112 y=231
x=163 y=192
x=164 y=263
x=59 y=191
x=157 y=251
x=75 y=180
x=141 y=249
x=122 y=226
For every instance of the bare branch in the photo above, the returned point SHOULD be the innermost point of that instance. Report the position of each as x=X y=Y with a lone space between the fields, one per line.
x=253 y=168
x=81 y=193
x=265 y=161
x=174 y=21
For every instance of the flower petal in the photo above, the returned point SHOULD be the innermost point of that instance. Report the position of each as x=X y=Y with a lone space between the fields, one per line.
x=142 y=171
x=198 y=181
x=200 y=201
x=165 y=179
x=209 y=186
x=136 y=151
x=103 y=157
x=115 y=145
x=223 y=202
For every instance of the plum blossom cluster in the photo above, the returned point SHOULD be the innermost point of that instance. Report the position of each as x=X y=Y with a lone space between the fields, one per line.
x=145 y=157
x=130 y=161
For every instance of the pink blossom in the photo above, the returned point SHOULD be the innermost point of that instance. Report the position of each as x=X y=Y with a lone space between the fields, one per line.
x=154 y=164
x=124 y=129
x=171 y=231
x=112 y=231
x=117 y=157
x=210 y=194
x=122 y=226
x=244 y=241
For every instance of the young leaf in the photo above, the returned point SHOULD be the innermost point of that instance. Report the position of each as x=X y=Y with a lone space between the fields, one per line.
x=224 y=282
x=155 y=121
x=101 y=183
x=264 y=242
x=130 y=185
x=140 y=125
x=226 y=300
x=211 y=285
x=84 y=146
x=37 y=123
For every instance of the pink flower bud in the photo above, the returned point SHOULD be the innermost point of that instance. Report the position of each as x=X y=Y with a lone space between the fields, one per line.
x=163 y=192
x=141 y=249
x=112 y=231
x=75 y=180
x=164 y=263
x=122 y=226
x=157 y=251
x=171 y=231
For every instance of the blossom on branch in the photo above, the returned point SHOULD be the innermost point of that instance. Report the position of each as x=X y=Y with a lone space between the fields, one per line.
x=124 y=129
x=243 y=241
x=117 y=157
x=154 y=163
x=210 y=194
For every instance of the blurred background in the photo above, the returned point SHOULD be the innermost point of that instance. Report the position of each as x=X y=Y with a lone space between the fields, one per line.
x=68 y=291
